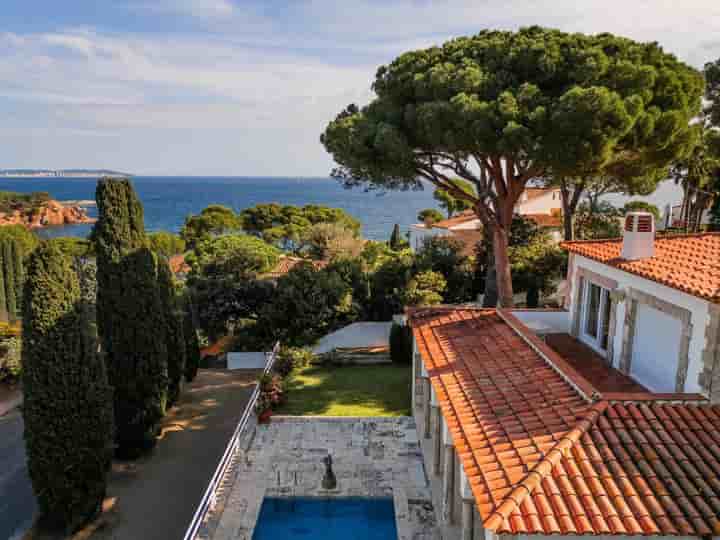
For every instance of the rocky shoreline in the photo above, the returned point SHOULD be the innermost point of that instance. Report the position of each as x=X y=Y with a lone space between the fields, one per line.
x=51 y=213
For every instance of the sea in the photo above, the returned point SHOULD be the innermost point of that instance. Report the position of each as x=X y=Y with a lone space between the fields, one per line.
x=168 y=200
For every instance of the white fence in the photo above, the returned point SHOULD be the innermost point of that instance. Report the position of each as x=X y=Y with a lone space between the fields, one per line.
x=210 y=495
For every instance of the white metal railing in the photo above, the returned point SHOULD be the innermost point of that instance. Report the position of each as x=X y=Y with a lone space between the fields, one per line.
x=210 y=496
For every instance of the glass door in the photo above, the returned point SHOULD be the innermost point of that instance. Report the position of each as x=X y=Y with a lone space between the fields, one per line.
x=596 y=317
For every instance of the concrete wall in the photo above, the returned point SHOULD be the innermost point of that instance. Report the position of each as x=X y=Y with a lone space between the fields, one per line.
x=554 y=321
x=632 y=290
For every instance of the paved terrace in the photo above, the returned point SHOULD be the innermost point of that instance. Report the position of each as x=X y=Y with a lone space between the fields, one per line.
x=375 y=457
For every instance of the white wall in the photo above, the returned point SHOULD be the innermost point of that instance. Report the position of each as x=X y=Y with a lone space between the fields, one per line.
x=553 y=321
x=699 y=308
x=540 y=205
x=469 y=225
x=656 y=331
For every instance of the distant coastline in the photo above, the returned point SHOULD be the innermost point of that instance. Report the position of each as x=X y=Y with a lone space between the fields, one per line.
x=61 y=173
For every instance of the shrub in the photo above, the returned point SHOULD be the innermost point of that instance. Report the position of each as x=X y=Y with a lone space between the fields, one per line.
x=10 y=359
x=67 y=399
x=424 y=289
x=272 y=393
x=400 y=344
x=291 y=358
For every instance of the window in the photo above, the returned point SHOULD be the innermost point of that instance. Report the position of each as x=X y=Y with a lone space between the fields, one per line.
x=596 y=316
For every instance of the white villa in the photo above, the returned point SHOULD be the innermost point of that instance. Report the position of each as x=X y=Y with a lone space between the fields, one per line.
x=598 y=420
x=542 y=205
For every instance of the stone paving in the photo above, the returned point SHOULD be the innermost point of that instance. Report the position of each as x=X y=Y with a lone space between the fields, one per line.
x=372 y=457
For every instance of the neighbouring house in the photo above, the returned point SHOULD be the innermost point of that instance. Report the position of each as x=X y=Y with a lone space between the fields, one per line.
x=539 y=201
x=287 y=263
x=179 y=266
x=600 y=420
x=543 y=206
x=672 y=217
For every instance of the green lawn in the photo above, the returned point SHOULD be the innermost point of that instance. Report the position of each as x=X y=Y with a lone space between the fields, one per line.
x=380 y=390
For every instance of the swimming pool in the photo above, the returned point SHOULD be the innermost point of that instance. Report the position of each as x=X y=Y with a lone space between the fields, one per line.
x=315 y=518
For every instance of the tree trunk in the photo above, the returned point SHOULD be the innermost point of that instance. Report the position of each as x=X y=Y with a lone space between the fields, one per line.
x=502 y=267
x=532 y=297
x=490 y=296
x=569 y=231
x=570 y=202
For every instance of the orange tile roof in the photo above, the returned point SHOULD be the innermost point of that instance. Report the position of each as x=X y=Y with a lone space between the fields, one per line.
x=690 y=263
x=178 y=265
x=469 y=240
x=545 y=220
x=534 y=193
x=220 y=346
x=286 y=264
x=458 y=219
x=543 y=459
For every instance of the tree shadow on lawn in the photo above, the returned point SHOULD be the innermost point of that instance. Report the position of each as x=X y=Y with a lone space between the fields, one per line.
x=349 y=391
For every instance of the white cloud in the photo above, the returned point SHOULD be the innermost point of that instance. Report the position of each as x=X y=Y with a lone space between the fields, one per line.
x=246 y=91
x=205 y=9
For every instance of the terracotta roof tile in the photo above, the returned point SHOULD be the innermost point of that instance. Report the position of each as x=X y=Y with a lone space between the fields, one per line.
x=458 y=219
x=690 y=263
x=543 y=459
x=546 y=220
x=178 y=265
x=287 y=263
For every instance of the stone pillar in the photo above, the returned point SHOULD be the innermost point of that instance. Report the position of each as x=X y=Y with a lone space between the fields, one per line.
x=437 y=440
x=426 y=409
x=468 y=508
x=417 y=380
x=468 y=511
x=448 y=483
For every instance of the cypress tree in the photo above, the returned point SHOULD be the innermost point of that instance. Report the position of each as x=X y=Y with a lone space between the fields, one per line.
x=67 y=399
x=120 y=230
x=173 y=330
x=9 y=270
x=4 y=316
x=131 y=321
x=192 y=345
x=19 y=271
x=395 y=238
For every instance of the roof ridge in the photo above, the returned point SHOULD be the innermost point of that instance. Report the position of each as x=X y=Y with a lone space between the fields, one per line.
x=540 y=471
x=658 y=236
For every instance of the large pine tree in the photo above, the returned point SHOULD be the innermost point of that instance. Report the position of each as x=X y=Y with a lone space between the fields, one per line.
x=131 y=321
x=67 y=399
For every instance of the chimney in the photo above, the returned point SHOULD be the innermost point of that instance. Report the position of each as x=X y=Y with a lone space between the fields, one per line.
x=638 y=236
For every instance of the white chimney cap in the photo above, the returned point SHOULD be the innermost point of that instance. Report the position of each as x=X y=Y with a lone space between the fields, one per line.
x=638 y=236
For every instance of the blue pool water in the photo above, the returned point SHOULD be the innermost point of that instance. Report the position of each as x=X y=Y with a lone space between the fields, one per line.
x=313 y=518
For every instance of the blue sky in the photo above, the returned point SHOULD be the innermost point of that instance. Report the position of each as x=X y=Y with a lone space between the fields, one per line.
x=233 y=87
